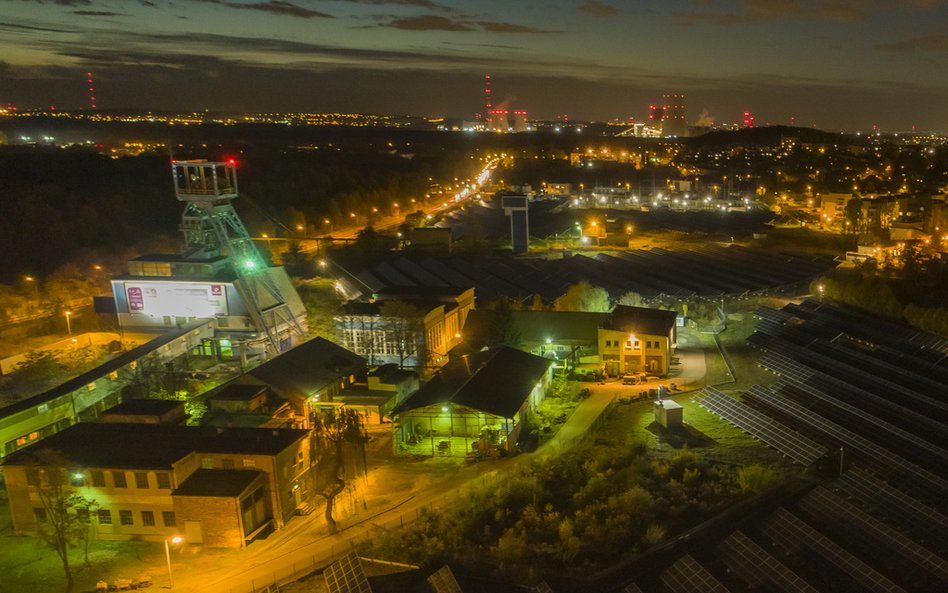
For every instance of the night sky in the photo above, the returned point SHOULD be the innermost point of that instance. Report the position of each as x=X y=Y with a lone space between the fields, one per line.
x=835 y=64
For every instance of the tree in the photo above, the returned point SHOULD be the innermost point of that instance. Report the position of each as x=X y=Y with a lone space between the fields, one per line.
x=502 y=331
x=404 y=327
x=338 y=438
x=297 y=263
x=60 y=526
x=583 y=296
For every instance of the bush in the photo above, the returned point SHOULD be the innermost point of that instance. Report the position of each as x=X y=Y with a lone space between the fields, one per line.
x=757 y=478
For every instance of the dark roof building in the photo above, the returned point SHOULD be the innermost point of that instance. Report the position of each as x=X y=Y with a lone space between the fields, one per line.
x=310 y=368
x=155 y=446
x=643 y=320
x=496 y=381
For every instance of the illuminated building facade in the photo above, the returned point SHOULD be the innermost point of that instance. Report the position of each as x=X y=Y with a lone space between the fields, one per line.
x=220 y=487
x=637 y=339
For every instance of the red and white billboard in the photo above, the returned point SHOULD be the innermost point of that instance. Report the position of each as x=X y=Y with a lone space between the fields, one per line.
x=182 y=299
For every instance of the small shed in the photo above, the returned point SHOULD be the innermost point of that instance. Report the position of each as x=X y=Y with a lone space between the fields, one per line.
x=668 y=413
x=146 y=411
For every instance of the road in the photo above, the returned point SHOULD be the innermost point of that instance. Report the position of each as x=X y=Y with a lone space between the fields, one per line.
x=391 y=222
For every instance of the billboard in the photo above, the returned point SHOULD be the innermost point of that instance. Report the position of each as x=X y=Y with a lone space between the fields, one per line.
x=182 y=299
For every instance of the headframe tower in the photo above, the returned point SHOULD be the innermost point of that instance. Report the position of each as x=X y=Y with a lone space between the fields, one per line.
x=212 y=228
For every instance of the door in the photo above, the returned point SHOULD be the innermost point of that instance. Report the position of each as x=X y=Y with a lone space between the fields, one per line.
x=192 y=532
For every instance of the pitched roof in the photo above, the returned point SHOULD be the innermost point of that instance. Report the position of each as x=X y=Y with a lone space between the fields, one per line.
x=537 y=326
x=217 y=482
x=496 y=381
x=654 y=322
x=309 y=367
x=154 y=446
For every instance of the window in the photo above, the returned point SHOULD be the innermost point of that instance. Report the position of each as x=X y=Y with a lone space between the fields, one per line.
x=227 y=463
x=207 y=463
x=32 y=476
x=148 y=518
x=82 y=515
x=250 y=463
x=167 y=517
x=98 y=478
x=164 y=481
x=141 y=479
x=40 y=515
x=105 y=517
x=125 y=518
x=119 y=479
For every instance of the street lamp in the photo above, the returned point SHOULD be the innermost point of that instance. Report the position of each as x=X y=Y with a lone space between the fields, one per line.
x=175 y=540
x=68 y=323
x=32 y=282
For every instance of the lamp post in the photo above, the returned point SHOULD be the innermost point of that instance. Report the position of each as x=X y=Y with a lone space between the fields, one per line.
x=68 y=323
x=32 y=282
x=175 y=540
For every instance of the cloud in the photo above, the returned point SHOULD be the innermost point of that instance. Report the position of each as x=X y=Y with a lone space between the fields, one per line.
x=417 y=3
x=97 y=13
x=62 y=2
x=281 y=8
x=498 y=27
x=428 y=22
x=761 y=11
x=431 y=22
x=597 y=8
x=937 y=42
x=32 y=28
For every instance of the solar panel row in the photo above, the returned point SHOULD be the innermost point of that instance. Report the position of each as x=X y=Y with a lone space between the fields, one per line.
x=901 y=508
x=872 y=452
x=755 y=566
x=789 y=532
x=347 y=576
x=688 y=576
x=792 y=444
x=443 y=581
x=826 y=506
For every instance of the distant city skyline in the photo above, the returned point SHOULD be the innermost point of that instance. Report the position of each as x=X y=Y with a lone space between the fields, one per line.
x=833 y=64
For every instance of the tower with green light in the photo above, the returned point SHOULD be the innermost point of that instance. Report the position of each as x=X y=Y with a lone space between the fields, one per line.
x=212 y=229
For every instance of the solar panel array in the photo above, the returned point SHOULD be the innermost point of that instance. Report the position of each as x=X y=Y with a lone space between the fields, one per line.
x=903 y=509
x=872 y=452
x=792 y=444
x=792 y=533
x=920 y=447
x=688 y=576
x=703 y=271
x=443 y=581
x=755 y=566
x=347 y=576
x=826 y=506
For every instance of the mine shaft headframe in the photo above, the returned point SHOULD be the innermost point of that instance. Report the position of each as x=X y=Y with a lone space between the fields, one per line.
x=205 y=182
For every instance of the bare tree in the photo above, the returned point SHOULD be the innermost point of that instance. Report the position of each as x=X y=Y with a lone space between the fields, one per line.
x=59 y=523
x=338 y=437
x=404 y=327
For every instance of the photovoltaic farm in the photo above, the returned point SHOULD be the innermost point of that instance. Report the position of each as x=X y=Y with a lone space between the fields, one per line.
x=708 y=271
x=861 y=404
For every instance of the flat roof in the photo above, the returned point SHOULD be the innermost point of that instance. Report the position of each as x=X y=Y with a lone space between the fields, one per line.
x=229 y=483
x=146 y=407
x=102 y=370
x=154 y=446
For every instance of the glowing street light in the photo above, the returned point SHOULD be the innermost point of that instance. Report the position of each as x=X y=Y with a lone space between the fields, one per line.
x=68 y=314
x=175 y=540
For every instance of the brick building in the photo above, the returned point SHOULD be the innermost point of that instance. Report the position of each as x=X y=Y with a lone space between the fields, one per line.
x=214 y=486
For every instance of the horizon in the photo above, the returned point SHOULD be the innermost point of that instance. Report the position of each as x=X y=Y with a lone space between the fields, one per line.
x=810 y=63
